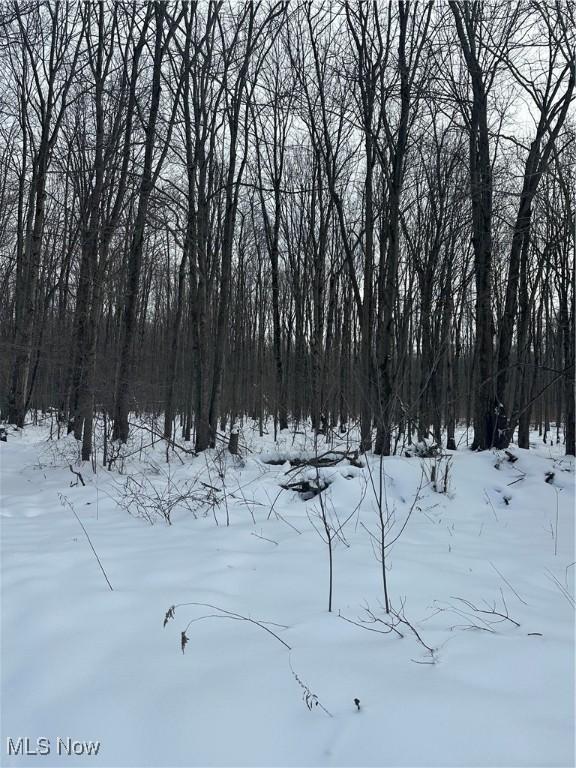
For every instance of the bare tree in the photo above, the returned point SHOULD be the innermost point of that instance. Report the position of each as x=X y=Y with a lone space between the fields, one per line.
x=50 y=40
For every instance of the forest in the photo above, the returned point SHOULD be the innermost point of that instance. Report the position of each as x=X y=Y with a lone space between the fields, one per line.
x=340 y=213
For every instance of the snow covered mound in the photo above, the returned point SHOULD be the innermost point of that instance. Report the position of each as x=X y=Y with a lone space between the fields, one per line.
x=205 y=639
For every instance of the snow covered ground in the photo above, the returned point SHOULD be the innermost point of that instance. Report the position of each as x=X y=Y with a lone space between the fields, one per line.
x=483 y=575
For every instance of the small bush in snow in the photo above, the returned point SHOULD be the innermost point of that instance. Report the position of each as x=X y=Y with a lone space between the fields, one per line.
x=438 y=472
x=154 y=495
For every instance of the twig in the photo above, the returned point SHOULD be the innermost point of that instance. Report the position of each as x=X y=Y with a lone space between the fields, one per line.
x=273 y=504
x=561 y=587
x=491 y=505
x=490 y=611
x=403 y=620
x=258 y=536
x=66 y=502
x=226 y=614
x=508 y=583
x=364 y=624
x=78 y=475
x=556 y=531
x=310 y=698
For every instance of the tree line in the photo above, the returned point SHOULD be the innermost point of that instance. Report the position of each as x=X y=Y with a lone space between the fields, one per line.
x=341 y=212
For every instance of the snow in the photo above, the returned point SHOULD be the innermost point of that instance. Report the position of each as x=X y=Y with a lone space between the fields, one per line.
x=83 y=662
